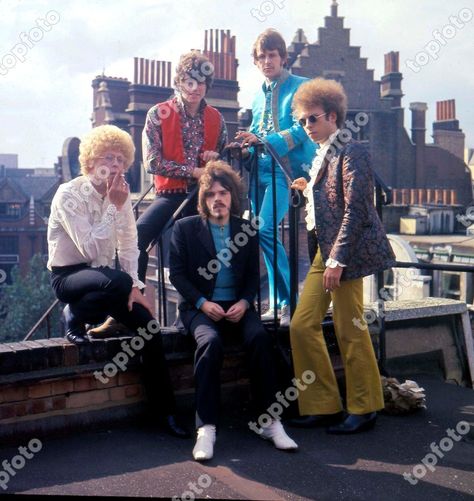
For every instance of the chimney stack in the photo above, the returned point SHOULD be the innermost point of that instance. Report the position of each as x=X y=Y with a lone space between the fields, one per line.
x=418 y=130
x=418 y=122
x=391 y=87
x=446 y=131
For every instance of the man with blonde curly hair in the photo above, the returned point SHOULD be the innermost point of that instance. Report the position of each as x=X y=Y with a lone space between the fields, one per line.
x=214 y=267
x=179 y=137
x=92 y=218
x=350 y=243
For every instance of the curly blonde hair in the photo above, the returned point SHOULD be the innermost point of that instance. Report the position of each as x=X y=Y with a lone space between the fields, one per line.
x=328 y=94
x=220 y=172
x=101 y=139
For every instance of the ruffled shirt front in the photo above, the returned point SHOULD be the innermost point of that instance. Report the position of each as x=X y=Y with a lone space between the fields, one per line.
x=308 y=191
x=85 y=227
x=313 y=172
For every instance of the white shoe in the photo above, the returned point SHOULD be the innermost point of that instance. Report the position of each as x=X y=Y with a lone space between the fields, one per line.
x=285 y=316
x=268 y=316
x=277 y=434
x=206 y=438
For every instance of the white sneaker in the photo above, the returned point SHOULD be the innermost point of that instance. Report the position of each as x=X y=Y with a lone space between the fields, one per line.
x=206 y=438
x=269 y=315
x=277 y=434
x=285 y=316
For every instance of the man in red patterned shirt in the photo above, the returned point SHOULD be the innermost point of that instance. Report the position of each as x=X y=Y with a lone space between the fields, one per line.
x=179 y=137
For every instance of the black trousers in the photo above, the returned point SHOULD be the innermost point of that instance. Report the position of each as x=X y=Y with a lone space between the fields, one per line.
x=257 y=343
x=95 y=293
x=151 y=223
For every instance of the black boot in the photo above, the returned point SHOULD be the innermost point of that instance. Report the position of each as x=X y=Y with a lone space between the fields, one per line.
x=75 y=329
x=173 y=427
x=354 y=423
x=313 y=421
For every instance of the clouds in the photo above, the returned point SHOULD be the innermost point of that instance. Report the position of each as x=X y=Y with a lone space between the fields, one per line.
x=48 y=97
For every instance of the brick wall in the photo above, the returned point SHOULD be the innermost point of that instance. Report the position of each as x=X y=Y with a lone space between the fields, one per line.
x=49 y=385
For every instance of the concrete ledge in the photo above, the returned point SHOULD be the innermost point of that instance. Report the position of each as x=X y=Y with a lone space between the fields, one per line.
x=50 y=384
x=429 y=325
x=422 y=308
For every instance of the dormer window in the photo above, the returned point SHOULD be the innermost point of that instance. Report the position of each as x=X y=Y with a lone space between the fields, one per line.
x=10 y=210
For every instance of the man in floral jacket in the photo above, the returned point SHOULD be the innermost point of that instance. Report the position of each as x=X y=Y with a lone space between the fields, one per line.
x=351 y=243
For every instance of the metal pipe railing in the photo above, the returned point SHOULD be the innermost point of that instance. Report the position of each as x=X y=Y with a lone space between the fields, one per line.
x=382 y=194
x=46 y=315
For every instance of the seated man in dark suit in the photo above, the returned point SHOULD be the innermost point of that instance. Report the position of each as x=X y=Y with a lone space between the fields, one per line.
x=214 y=266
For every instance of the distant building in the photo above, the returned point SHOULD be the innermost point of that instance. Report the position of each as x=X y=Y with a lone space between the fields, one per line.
x=9 y=160
x=401 y=160
x=25 y=202
x=119 y=102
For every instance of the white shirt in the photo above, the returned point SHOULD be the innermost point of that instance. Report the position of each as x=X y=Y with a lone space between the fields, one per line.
x=86 y=228
x=313 y=172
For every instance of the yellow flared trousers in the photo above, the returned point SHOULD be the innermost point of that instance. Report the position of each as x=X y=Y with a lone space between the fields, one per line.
x=363 y=386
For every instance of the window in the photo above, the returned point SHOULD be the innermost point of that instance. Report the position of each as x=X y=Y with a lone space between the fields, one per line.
x=10 y=210
x=451 y=285
x=9 y=250
x=46 y=210
x=9 y=245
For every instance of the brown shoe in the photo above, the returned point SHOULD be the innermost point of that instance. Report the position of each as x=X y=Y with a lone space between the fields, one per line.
x=110 y=328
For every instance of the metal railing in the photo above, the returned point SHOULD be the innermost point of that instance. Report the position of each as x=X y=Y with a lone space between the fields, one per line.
x=46 y=316
x=249 y=171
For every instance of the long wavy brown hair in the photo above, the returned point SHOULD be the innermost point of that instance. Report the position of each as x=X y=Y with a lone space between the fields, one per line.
x=221 y=172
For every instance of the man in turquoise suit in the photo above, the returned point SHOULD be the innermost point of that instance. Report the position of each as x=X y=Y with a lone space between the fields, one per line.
x=274 y=125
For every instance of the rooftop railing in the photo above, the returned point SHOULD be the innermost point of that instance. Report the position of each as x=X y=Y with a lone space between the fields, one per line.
x=250 y=173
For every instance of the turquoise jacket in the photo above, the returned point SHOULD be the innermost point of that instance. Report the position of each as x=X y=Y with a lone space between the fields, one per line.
x=290 y=143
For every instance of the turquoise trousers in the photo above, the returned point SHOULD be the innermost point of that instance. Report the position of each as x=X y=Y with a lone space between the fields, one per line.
x=264 y=196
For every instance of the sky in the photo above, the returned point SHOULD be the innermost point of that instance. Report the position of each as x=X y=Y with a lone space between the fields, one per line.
x=46 y=73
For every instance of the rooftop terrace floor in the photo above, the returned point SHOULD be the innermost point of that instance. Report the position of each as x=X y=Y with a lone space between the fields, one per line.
x=137 y=460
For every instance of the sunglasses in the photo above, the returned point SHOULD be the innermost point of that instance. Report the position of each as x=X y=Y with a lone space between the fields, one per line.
x=312 y=119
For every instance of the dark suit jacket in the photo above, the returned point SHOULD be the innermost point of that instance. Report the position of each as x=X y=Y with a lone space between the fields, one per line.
x=192 y=248
x=348 y=227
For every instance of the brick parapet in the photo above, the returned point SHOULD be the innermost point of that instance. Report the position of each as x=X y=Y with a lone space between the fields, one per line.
x=49 y=385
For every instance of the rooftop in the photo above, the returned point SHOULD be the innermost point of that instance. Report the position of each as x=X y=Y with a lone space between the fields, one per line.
x=135 y=459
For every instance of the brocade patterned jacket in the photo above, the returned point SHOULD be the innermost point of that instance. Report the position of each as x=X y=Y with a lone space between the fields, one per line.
x=348 y=228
